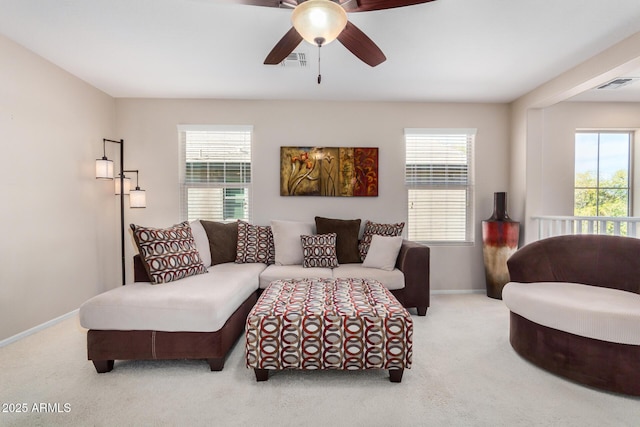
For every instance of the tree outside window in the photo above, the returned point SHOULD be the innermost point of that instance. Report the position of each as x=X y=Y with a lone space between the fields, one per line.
x=602 y=178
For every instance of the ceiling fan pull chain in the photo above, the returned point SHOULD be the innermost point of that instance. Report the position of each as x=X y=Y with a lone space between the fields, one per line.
x=319 y=41
x=319 y=75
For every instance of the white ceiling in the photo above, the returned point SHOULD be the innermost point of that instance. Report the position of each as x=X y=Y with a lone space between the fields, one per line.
x=447 y=50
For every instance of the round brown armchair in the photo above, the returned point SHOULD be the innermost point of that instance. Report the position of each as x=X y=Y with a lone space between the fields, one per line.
x=575 y=309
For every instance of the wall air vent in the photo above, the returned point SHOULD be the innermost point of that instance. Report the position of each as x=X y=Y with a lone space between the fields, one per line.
x=295 y=60
x=618 y=83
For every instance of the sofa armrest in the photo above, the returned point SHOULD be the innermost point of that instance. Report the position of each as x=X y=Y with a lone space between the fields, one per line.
x=140 y=273
x=413 y=261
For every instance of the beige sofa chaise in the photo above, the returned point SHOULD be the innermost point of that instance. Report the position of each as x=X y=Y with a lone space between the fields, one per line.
x=575 y=309
x=202 y=316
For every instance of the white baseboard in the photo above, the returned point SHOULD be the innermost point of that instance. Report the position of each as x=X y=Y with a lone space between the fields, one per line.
x=454 y=291
x=38 y=328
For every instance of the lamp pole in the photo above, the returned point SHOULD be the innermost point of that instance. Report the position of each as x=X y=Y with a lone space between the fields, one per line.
x=121 y=142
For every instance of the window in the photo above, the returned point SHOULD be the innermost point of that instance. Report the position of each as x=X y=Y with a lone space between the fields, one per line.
x=602 y=178
x=439 y=180
x=215 y=172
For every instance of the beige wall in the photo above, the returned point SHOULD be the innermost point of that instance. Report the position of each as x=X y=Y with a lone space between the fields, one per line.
x=151 y=127
x=530 y=139
x=560 y=124
x=57 y=247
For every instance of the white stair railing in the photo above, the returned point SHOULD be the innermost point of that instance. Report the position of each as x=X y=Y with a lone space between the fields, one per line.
x=549 y=226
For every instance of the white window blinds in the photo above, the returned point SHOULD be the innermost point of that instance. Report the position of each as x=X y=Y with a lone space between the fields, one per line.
x=439 y=181
x=215 y=172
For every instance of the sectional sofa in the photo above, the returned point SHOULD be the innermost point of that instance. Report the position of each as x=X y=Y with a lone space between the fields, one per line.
x=195 y=283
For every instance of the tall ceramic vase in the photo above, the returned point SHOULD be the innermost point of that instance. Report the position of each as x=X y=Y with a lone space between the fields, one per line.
x=500 y=236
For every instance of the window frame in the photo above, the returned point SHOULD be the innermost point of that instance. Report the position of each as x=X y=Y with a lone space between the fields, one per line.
x=443 y=178
x=630 y=166
x=218 y=180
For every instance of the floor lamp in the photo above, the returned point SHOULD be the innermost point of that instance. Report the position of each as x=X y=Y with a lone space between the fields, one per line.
x=137 y=197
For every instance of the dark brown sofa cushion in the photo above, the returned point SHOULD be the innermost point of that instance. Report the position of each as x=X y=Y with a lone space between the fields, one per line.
x=223 y=240
x=347 y=241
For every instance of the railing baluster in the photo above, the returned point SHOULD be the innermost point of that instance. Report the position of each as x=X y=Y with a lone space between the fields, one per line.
x=549 y=226
x=541 y=225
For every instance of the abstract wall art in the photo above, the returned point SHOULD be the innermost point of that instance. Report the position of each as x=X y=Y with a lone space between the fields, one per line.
x=329 y=171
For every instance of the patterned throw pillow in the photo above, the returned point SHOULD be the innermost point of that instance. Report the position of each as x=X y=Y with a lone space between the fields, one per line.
x=255 y=244
x=319 y=250
x=168 y=253
x=372 y=228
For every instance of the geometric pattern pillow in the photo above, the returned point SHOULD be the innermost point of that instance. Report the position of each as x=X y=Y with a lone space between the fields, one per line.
x=319 y=250
x=255 y=244
x=372 y=228
x=168 y=254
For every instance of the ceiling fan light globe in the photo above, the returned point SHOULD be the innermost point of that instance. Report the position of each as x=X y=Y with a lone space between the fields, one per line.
x=319 y=19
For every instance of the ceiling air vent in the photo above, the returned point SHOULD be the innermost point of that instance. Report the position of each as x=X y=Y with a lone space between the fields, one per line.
x=295 y=60
x=619 y=82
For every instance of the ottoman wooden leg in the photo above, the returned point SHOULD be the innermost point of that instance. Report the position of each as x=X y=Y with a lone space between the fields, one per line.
x=103 y=366
x=395 y=375
x=261 y=374
x=216 y=364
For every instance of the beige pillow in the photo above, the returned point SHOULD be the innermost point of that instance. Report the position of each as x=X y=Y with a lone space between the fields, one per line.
x=383 y=252
x=202 y=242
x=286 y=239
x=371 y=228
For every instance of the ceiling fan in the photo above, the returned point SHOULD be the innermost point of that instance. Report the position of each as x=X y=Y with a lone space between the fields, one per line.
x=321 y=21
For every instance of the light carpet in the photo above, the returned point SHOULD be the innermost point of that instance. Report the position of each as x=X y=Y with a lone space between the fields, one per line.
x=464 y=373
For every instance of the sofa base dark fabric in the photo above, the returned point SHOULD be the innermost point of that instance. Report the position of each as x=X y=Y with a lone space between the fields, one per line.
x=413 y=261
x=604 y=365
x=103 y=347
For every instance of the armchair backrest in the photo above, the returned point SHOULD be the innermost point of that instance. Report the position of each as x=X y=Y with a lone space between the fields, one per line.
x=598 y=260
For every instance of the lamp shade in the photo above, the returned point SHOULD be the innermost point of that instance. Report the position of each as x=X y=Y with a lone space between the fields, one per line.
x=104 y=168
x=137 y=198
x=126 y=182
x=319 y=21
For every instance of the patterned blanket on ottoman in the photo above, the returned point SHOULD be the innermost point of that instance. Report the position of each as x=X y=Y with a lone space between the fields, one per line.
x=328 y=324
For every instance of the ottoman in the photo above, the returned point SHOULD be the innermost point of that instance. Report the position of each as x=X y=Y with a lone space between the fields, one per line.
x=328 y=324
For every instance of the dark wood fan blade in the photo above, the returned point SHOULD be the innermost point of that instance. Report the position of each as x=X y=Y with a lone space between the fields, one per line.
x=366 y=5
x=284 y=47
x=266 y=3
x=348 y=5
x=361 y=46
